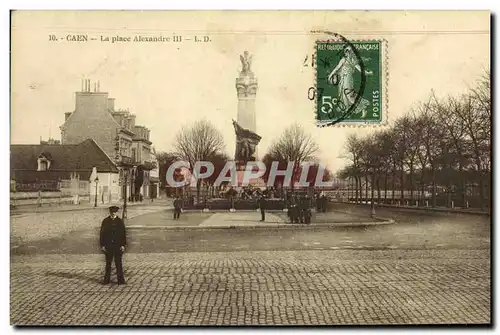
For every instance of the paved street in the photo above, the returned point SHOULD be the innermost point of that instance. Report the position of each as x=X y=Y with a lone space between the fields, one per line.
x=423 y=269
x=37 y=225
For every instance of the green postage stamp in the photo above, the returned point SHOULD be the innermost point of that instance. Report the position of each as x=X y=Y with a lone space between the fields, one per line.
x=350 y=78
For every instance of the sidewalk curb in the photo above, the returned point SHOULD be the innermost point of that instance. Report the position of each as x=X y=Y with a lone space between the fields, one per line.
x=420 y=208
x=79 y=209
x=270 y=226
x=229 y=211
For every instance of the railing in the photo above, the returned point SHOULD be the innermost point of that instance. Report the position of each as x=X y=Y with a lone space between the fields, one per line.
x=127 y=160
x=42 y=185
x=149 y=165
x=83 y=185
x=50 y=186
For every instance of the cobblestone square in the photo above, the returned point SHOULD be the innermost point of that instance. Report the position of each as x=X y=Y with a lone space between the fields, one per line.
x=256 y=288
x=421 y=270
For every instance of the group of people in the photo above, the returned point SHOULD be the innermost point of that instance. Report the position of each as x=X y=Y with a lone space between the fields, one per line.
x=321 y=202
x=299 y=209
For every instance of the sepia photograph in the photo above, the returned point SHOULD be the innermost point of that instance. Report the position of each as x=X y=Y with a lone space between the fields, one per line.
x=250 y=168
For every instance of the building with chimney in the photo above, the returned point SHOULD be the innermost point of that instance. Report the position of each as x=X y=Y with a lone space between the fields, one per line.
x=65 y=169
x=116 y=132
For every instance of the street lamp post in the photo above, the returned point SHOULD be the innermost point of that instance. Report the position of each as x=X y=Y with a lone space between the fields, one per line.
x=348 y=187
x=125 y=177
x=96 y=182
x=126 y=166
x=372 y=205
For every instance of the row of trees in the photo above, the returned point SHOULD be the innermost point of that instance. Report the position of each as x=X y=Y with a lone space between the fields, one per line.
x=442 y=147
x=203 y=142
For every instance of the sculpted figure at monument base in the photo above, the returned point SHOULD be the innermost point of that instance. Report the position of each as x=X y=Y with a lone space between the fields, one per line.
x=246 y=142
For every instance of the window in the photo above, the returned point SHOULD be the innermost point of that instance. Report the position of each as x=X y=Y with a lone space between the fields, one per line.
x=43 y=164
x=133 y=155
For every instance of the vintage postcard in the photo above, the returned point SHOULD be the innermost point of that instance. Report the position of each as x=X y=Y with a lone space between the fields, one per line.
x=250 y=168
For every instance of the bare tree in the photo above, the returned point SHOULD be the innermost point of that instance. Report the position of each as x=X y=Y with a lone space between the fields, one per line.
x=458 y=153
x=352 y=151
x=371 y=161
x=479 y=138
x=199 y=142
x=385 y=143
x=433 y=143
x=294 y=145
x=402 y=129
x=479 y=129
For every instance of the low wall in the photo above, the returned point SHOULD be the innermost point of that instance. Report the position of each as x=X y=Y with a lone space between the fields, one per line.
x=44 y=195
x=225 y=204
x=47 y=198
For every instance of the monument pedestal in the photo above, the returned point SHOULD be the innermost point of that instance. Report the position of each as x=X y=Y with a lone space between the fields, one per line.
x=241 y=170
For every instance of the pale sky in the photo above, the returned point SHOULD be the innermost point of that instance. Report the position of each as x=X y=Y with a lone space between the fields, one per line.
x=168 y=85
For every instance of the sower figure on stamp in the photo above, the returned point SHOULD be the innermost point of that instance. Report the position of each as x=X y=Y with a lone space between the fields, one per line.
x=113 y=240
x=177 y=208
x=343 y=76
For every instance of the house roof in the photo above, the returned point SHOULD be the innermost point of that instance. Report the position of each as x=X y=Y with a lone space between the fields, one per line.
x=80 y=157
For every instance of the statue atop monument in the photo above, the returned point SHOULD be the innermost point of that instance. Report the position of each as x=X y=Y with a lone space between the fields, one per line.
x=246 y=62
x=246 y=142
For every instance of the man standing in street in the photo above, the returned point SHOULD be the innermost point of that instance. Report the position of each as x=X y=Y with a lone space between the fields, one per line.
x=293 y=213
x=177 y=208
x=307 y=209
x=303 y=208
x=113 y=240
x=262 y=206
x=324 y=201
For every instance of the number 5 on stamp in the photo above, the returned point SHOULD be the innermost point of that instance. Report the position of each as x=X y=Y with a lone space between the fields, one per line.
x=350 y=79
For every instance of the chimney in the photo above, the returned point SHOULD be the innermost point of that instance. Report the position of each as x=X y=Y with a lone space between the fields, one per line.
x=82 y=85
x=88 y=85
x=111 y=104
x=98 y=86
x=132 y=119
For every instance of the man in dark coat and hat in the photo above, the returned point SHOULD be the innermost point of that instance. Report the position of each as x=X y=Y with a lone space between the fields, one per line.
x=262 y=205
x=178 y=207
x=113 y=240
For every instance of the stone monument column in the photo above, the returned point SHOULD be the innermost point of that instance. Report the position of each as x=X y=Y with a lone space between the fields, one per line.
x=247 y=138
x=246 y=88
